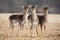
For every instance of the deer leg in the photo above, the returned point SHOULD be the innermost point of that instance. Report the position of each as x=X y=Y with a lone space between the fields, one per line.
x=20 y=25
x=23 y=23
x=41 y=27
x=11 y=24
x=45 y=28
x=37 y=29
x=35 y=26
x=13 y=27
x=31 y=30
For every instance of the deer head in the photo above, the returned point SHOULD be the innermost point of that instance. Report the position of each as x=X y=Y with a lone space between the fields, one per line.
x=34 y=8
x=45 y=10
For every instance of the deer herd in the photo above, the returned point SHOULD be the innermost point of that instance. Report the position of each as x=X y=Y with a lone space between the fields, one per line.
x=33 y=19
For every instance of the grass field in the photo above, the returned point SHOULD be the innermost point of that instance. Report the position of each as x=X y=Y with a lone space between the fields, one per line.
x=52 y=29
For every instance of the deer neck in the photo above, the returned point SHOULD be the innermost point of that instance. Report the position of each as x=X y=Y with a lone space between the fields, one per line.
x=46 y=12
x=25 y=16
x=34 y=12
x=45 y=15
x=34 y=15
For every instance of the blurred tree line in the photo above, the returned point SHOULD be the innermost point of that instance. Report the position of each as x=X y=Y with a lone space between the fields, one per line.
x=14 y=6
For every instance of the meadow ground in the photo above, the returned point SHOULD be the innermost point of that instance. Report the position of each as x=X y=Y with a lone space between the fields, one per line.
x=52 y=29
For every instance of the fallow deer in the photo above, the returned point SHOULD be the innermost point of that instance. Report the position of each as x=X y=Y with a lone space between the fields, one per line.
x=19 y=18
x=33 y=19
x=43 y=19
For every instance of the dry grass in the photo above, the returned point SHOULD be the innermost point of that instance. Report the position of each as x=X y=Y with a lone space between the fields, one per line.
x=53 y=29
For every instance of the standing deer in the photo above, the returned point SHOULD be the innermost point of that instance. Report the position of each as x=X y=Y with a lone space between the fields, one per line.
x=25 y=20
x=19 y=18
x=39 y=19
x=33 y=19
x=43 y=19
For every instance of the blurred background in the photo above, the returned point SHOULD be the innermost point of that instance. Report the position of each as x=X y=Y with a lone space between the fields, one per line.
x=9 y=7
x=14 y=6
